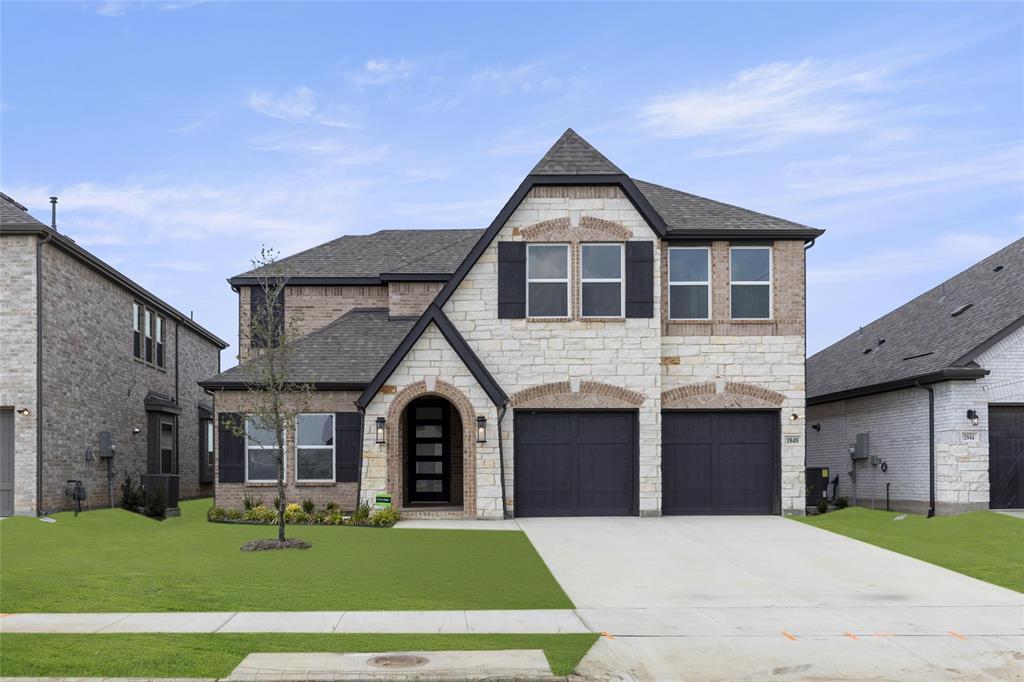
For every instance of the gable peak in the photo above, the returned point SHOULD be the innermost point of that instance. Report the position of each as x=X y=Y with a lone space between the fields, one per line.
x=572 y=155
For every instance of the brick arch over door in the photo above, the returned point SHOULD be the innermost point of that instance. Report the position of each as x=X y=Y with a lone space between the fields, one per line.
x=731 y=394
x=591 y=395
x=395 y=437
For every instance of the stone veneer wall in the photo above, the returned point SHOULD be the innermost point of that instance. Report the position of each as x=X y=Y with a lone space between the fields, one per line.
x=897 y=423
x=230 y=495
x=93 y=383
x=18 y=341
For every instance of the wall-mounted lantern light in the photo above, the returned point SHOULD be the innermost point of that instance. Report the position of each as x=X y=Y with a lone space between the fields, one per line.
x=380 y=429
x=972 y=415
x=481 y=429
x=816 y=426
x=23 y=411
x=136 y=430
x=794 y=417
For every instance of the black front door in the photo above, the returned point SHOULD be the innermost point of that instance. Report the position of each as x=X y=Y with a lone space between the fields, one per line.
x=1006 y=456
x=427 y=450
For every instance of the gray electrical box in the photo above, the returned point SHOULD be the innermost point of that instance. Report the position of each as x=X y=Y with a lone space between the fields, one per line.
x=861 y=449
x=106 y=448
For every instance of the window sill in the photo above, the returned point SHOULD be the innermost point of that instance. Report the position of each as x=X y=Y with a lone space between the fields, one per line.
x=262 y=484
x=315 y=484
x=535 y=320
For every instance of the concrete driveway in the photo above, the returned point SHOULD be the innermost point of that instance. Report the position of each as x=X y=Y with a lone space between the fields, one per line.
x=738 y=598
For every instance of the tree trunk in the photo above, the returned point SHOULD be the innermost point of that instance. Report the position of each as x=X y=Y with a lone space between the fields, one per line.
x=282 y=503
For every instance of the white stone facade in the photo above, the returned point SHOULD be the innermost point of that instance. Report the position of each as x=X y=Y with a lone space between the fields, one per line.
x=897 y=424
x=625 y=353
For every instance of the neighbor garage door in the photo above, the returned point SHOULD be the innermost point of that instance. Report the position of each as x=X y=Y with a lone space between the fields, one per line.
x=575 y=463
x=1006 y=456
x=719 y=462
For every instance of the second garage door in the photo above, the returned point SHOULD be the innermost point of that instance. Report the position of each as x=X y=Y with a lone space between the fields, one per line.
x=575 y=463
x=721 y=462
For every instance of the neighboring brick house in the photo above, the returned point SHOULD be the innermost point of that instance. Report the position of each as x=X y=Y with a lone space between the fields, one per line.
x=606 y=346
x=923 y=408
x=92 y=360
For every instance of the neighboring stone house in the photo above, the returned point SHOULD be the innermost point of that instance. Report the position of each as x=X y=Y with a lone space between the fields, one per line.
x=923 y=409
x=93 y=364
x=606 y=346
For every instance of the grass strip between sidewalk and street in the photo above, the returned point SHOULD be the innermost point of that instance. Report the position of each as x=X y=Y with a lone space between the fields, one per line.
x=983 y=545
x=216 y=655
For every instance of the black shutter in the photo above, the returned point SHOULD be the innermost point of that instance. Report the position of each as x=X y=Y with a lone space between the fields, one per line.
x=230 y=450
x=348 y=440
x=639 y=279
x=257 y=311
x=511 y=280
x=152 y=443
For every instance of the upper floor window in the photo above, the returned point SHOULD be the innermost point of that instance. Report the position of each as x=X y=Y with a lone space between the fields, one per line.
x=689 y=283
x=547 y=280
x=314 y=447
x=159 y=341
x=601 y=280
x=148 y=335
x=751 y=282
x=137 y=330
x=261 y=452
x=147 y=327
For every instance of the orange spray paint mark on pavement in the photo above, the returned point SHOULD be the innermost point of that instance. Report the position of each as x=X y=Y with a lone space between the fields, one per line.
x=788 y=636
x=957 y=635
x=608 y=635
x=851 y=635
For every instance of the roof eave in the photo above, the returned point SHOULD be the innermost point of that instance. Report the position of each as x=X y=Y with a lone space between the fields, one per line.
x=219 y=385
x=805 y=234
x=946 y=374
x=989 y=342
x=383 y=278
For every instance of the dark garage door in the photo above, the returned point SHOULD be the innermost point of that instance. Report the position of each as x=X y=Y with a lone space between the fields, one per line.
x=575 y=463
x=719 y=462
x=1006 y=456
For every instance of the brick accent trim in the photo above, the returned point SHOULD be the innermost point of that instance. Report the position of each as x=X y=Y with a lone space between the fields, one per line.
x=591 y=395
x=395 y=438
x=734 y=395
x=590 y=229
x=576 y=192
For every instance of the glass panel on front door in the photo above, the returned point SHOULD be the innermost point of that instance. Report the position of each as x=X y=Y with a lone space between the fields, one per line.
x=428 y=451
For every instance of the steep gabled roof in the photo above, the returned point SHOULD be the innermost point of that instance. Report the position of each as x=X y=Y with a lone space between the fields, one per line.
x=937 y=335
x=419 y=252
x=572 y=155
x=15 y=219
x=346 y=354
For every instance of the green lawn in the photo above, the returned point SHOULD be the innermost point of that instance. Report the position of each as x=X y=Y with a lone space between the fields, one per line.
x=983 y=545
x=113 y=560
x=180 y=655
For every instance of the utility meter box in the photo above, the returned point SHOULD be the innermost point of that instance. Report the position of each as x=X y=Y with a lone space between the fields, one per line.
x=862 y=448
x=106 y=447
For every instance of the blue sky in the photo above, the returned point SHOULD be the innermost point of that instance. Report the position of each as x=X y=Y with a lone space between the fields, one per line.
x=181 y=136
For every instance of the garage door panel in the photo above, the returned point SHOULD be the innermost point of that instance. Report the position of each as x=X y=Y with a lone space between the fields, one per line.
x=719 y=462
x=1006 y=456
x=574 y=463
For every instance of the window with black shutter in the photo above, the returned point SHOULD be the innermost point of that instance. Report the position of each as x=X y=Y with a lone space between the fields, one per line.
x=137 y=330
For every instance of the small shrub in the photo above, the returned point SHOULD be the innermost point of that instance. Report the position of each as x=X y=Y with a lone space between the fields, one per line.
x=294 y=514
x=822 y=506
x=216 y=514
x=334 y=518
x=260 y=514
x=331 y=507
x=308 y=506
x=361 y=514
x=251 y=501
x=155 y=506
x=233 y=514
x=842 y=502
x=384 y=517
x=131 y=497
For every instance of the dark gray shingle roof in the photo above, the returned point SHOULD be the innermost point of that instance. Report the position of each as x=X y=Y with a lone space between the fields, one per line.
x=348 y=351
x=13 y=213
x=572 y=155
x=688 y=212
x=387 y=251
x=922 y=336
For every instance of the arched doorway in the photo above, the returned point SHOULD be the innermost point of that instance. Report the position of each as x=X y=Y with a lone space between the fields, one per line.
x=433 y=454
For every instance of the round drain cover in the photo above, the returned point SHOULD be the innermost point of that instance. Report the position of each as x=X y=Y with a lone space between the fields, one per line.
x=398 y=661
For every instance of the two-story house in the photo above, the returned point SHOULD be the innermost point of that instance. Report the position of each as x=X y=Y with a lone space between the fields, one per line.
x=607 y=346
x=97 y=377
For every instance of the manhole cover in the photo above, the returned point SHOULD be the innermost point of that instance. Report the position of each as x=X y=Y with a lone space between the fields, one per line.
x=398 y=661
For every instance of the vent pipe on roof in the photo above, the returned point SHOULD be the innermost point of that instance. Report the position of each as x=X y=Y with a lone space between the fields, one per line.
x=53 y=212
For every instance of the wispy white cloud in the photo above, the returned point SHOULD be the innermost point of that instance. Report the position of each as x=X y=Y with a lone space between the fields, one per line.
x=297 y=106
x=179 y=265
x=523 y=78
x=382 y=72
x=187 y=128
x=114 y=8
x=338 y=150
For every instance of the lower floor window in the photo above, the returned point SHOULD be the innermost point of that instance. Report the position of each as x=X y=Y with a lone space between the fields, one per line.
x=261 y=451
x=314 y=447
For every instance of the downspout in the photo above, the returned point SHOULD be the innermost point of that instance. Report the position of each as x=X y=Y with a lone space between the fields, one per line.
x=359 y=480
x=931 y=447
x=39 y=372
x=501 y=463
x=177 y=422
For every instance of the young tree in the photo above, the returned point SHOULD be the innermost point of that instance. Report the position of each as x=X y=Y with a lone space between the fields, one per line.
x=274 y=400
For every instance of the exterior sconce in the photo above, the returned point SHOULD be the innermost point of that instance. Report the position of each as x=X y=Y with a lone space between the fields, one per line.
x=23 y=411
x=481 y=429
x=816 y=426
x=136 y=431
x=793 y=417
x=380 y=429
x=972 y=415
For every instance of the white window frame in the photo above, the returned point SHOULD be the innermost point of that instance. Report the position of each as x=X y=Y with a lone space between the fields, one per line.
x=707 y=283
x=567 y=281
x=261 y=447
x=620 y=280
x=209 y=454
x=769 y=283
x=334 y=449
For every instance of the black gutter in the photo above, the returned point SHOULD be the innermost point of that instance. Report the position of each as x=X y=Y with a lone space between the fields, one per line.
x=808 y=234
x=947 y=374
x=177 y=423
x=39 y=370
x=382 y=278
x=931 y=448
x=241 y=385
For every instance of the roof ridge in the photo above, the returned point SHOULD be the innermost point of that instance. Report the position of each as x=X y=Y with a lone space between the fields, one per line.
x=437 y=250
